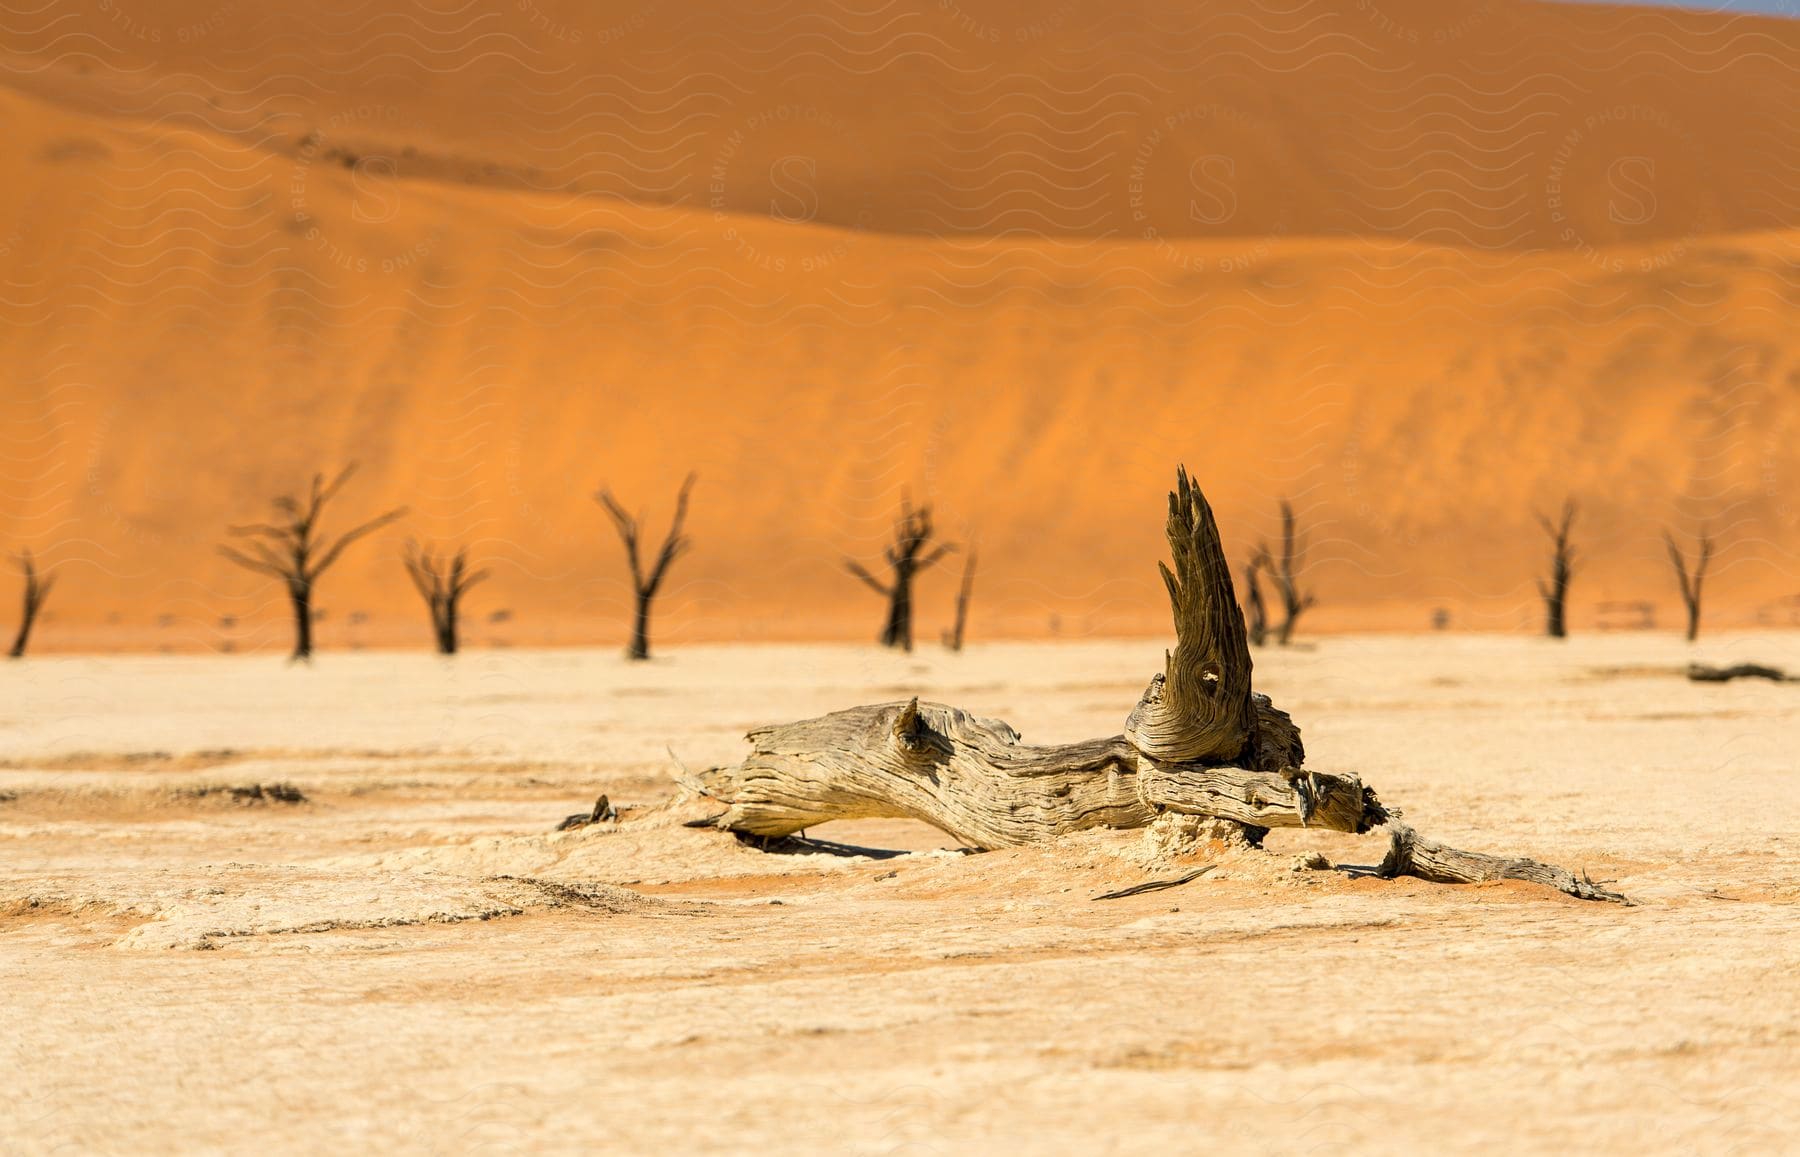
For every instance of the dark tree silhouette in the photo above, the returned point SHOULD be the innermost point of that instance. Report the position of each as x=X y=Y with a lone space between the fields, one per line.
x=293 y=550
x=1282 y=570
x=1256 y=615
x=912 y=533
x=1555 y=590
x=37 y=589
x=954 y=639
x=442 y=580
x=645 y=584
x=1690 y=580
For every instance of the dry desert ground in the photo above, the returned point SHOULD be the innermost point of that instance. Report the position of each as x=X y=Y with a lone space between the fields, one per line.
x=411 y=960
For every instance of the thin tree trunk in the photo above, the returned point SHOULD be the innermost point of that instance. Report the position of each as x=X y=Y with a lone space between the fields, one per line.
x=1562 y=569
x=899 y=627
x=447 y=629
x=301 y=597
x=1555 y=625
x=1258 y=614
x=24 y=635
x=962 y=603
x=1690 y=579
x=37 y=589
x=640 y=629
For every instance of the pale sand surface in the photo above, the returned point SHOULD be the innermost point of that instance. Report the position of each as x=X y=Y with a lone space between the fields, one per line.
x=410 y=960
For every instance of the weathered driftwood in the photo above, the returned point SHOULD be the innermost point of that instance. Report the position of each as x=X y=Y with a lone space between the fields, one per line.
x=1199 y=742
x=1410 y=854
x=1701 y=673
x=973 y=778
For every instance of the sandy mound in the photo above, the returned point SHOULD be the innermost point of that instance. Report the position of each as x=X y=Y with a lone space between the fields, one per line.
x=197 y=911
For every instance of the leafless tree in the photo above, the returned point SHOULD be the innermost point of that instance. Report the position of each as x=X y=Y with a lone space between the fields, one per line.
x=1690 y=580
x=1256 y=615
x=293 y=549
x=37 y=589
x=912 y=534
x=954 y=638
x=1555 y=590
x=442 y=580
x=645 y=584
x=1282 y=572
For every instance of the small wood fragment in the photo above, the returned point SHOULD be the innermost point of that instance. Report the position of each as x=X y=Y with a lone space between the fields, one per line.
x=603 y=811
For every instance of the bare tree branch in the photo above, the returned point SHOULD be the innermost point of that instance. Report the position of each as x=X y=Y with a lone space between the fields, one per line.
x=350 y=536
x=252 y=564
x=856 y=568
x=934 y=556
x=627 y=527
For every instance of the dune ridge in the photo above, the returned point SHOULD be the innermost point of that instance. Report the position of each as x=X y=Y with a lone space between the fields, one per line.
x=1421 y=268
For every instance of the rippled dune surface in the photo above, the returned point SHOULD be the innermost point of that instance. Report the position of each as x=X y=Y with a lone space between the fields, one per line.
x=1421 y=267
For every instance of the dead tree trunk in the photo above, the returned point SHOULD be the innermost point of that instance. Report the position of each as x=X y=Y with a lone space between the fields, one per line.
x=1256 y=612
x=37 y=589
x=912 y=533
x=442 y=581
x=955 y=640
x=1200 y=741
x=1282 y=572
x=293 y=550
x=1702 y=673
x=300 y=601
x=1555 y=590
x=1690 y=580
x=645 y=583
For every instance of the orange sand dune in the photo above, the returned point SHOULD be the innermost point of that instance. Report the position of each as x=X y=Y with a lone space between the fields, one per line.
x=1421 y=267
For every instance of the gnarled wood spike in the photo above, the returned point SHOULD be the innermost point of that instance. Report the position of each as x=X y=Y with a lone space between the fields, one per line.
x=911 y=731
x=1199 y=710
